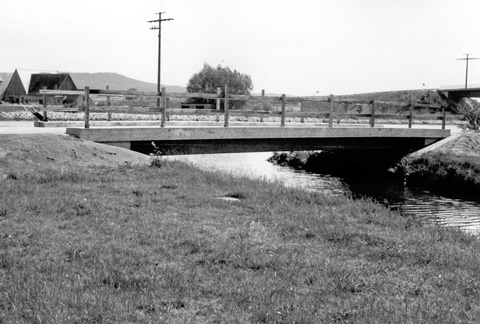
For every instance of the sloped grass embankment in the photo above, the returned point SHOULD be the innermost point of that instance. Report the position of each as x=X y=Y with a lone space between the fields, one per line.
x=443 y=171
x=454 y=166
x=145 y=244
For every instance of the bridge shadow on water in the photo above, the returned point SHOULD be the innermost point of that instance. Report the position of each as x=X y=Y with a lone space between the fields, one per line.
x=350 y=165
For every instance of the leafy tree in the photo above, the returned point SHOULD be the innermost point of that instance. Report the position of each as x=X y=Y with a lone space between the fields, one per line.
x=209 y=79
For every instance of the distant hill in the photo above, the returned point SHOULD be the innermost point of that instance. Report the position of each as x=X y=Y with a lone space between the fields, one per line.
x=100 y=80
x=117 y=82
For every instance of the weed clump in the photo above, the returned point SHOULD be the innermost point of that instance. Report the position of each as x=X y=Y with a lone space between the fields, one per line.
x=156 y=158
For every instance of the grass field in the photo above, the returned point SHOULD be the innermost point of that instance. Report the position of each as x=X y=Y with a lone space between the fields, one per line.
x=157 y=245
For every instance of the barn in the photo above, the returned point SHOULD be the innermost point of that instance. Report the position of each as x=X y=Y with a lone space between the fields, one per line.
x=58 y=81
x=25 y=86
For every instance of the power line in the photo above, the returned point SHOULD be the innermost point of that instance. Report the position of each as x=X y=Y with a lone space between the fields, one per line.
x=466 y=73
x=159 y=27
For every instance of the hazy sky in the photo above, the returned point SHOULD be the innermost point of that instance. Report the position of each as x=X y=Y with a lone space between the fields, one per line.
x=294 y=47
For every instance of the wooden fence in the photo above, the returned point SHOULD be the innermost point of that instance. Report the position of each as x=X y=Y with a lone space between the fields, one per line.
x=373 y=115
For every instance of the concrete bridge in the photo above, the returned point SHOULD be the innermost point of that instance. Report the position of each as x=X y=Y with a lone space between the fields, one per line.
x=171 y=138
x=215 y=139
x=456 y=94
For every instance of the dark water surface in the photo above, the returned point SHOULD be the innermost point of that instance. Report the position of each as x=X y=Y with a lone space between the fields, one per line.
x=439 y=207
x=433 y=207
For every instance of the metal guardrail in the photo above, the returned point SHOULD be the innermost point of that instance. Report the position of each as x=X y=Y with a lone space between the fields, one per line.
x=283 y=114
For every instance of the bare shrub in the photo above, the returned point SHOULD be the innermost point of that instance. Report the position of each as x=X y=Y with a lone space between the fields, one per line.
x=471 y=110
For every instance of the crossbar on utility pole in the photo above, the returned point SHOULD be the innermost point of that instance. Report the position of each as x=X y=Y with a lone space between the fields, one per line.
x=159 y=27
x=466 y=73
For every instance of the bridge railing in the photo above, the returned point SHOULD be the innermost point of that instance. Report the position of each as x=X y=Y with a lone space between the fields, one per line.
x=406 y=111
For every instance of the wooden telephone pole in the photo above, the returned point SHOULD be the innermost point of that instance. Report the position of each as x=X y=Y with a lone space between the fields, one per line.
x=159 y=27
x=466 y=73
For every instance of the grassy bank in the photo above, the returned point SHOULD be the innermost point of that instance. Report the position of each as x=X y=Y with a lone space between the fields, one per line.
x=151 y=245
x=454 y=165
x=443 y=170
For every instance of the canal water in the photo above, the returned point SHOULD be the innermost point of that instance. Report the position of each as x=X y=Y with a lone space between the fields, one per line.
x=432 y=207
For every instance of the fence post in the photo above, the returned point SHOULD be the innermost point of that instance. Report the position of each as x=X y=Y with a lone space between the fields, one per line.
x=87 y=107
x=219 y=92
x=330 y=116
x=372 y=117
x=167 y=105
x=443 y=116
x=226 y=105
x=263 y=105
x=282 y=118
x=410 y=114
x=109 y=113
x=45 y=115
x=164 y=104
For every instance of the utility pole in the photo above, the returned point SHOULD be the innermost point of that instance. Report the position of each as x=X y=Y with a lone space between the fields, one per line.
x=466 y=73
x=159 y=27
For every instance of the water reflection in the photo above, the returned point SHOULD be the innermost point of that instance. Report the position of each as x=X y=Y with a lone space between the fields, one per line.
x=439 y=209
x=432 y=207
x=255 y=165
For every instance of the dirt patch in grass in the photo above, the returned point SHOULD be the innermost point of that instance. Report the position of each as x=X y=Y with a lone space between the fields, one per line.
x=19 y=153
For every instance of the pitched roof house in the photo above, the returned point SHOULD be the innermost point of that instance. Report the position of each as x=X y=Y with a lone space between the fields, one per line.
x=60 y=81
x=25 y=85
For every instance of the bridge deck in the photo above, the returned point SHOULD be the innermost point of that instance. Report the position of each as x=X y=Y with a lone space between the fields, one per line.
x=194 y=140
x=457 y=94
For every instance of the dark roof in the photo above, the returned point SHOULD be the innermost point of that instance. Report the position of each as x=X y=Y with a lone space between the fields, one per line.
x=50 y=81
